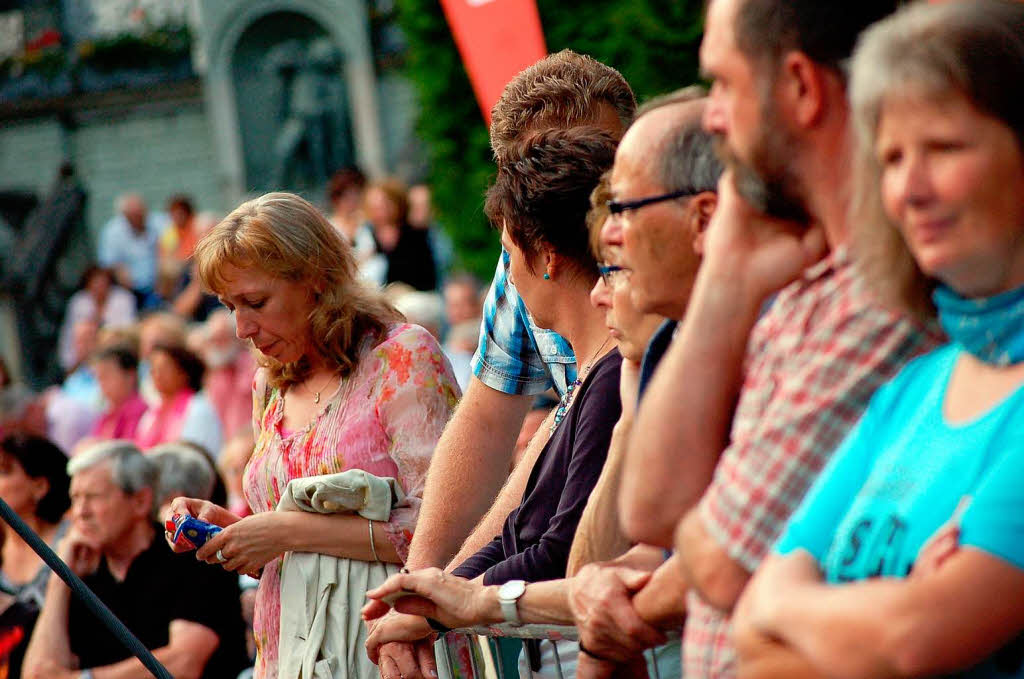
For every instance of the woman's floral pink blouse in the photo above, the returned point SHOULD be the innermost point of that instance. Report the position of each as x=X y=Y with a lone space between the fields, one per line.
x=385 y=418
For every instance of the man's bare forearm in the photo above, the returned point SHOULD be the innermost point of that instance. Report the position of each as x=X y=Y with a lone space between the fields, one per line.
x=706 y=566
x=683 y=422
x=508 y=499
x=662 y=601
x=50 y=641
x=764 y=658
x=467 y=470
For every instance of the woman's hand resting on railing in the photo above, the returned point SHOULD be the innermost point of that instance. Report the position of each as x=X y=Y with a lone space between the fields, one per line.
x=432 y=593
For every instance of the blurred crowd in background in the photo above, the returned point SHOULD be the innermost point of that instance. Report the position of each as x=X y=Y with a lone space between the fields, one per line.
x=147 y=355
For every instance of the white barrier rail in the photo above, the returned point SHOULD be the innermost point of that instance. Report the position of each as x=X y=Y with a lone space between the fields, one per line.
x=485 y=658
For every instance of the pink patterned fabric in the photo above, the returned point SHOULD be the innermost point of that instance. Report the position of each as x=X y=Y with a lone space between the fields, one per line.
x=385 y=419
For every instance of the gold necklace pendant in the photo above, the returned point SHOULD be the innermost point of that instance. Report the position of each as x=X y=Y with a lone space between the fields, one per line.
x=316 y=394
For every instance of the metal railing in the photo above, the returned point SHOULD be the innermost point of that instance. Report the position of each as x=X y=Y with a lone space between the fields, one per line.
x=83 y=593
x=485 y=657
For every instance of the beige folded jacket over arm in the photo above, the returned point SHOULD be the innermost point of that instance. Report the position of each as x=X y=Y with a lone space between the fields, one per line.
x=322 y=633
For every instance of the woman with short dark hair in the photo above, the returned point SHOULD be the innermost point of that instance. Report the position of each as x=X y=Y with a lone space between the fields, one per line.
x=183 y=411
x=34 y=482
x=117 y=372
x=540 y=201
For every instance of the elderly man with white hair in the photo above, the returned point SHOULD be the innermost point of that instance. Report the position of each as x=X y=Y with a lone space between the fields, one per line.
x=184 y=611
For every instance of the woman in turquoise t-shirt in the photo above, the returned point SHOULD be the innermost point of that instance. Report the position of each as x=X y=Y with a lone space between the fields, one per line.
x=907 y=556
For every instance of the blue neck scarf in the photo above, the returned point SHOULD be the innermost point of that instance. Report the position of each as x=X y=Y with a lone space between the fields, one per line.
x=989 y=328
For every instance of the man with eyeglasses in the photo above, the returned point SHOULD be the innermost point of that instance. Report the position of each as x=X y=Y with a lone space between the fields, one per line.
x=663 y=188
x=661 y=209
x=753 y=406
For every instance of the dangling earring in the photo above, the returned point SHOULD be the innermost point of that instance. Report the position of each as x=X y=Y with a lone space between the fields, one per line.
x=547 y=276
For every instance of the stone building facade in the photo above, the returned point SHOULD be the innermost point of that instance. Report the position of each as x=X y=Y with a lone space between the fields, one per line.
x=217 y=99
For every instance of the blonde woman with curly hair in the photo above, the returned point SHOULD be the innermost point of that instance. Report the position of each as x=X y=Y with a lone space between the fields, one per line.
x=343 y=384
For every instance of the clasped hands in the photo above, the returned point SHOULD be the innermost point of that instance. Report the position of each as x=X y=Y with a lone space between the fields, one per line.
x=603 y=600
x=600 y=599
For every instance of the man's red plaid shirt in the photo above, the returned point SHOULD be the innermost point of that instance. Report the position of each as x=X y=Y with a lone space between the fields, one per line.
x=812 y=364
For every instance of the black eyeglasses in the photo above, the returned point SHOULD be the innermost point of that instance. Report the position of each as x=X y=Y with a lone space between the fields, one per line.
x=610 y=272
x=616 y=207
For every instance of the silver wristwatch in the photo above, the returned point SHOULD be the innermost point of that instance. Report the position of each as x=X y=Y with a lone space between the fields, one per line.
x=508 y=597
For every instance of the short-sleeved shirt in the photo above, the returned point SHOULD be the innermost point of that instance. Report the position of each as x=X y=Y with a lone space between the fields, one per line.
x=902 y=473
x=535 y=540
x=121 y=245
x=161 y=586
x=514 y=355
x=813 y=362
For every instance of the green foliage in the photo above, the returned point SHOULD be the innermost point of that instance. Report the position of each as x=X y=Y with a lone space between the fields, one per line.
x=652 y=42
x=156 y=48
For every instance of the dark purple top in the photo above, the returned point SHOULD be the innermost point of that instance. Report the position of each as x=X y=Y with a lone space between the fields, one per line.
x=534 y=544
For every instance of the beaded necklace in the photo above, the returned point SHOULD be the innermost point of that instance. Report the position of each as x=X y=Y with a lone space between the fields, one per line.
x=565 y=402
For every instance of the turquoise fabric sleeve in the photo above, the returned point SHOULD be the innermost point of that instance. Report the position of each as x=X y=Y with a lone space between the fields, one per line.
x=994 y=519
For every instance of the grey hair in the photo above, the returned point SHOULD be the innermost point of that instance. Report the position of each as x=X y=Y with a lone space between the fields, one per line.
x=130 y=470
x=183 y=469
x=688 y=161
x=973 y=48
x=932 y=52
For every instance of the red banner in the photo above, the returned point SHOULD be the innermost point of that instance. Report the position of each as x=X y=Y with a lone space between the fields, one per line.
x=497 y=39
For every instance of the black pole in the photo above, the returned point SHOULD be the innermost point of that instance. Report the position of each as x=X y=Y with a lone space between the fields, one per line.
x=82 y=591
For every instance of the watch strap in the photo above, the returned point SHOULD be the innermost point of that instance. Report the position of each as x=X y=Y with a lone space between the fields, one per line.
x=510 y=609
x=508 y=598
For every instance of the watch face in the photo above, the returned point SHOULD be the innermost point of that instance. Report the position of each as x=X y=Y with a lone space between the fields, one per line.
x=513 y=589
